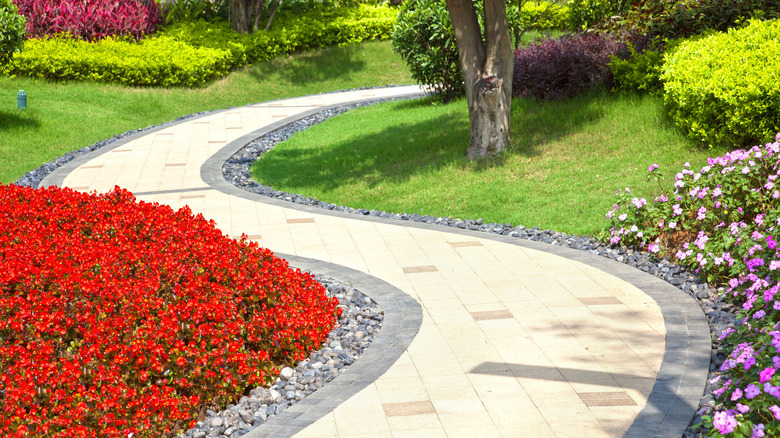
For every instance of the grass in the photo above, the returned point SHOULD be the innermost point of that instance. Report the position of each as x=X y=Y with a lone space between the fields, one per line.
x=66 y=116
x=566 y=161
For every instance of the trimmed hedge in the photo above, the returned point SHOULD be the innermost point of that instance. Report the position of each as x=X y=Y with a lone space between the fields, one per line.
x=723 y=88
x=291 y=33
x=153 y=61
x=11 y=30
x=548 y=15
x=194 y=53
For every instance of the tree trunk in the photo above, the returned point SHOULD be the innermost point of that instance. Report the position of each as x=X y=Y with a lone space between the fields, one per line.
x=241 y=15
x=487 y=73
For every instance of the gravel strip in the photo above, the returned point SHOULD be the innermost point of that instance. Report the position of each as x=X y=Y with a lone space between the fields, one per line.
x=720 y=315
x=359 y=323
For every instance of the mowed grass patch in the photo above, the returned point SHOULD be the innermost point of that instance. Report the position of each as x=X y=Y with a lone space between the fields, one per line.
x=64 y=116
x=567 y=160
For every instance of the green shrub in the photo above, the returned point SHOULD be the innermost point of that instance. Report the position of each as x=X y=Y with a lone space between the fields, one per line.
x=584 y=14
x=153 y=61
x=723 y=88
x=544 y=15
x=640 y=70
x=291 y=33
x=675 y=19
x=424 y=38
x=11 y=30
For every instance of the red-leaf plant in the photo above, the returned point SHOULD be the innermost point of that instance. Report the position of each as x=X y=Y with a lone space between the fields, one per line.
x=121 y=317
x=90 y=19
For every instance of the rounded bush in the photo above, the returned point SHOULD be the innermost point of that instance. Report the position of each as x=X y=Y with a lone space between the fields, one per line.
x=11 y=30
x=723 y=88
x=121 y=318
x=424 y=38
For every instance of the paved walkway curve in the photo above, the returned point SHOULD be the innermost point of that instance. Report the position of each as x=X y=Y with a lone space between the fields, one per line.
x=486 y=335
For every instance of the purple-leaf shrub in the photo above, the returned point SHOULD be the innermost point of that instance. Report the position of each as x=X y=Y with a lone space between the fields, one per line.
x=723 y=221
x=90 y=19
x=564 y=67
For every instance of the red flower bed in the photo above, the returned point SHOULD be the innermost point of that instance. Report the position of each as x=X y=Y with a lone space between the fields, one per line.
x=90 y=19
x=119 y=316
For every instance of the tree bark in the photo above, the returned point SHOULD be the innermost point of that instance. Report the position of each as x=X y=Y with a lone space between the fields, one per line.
x=241 y=15
x=274 y=7
x=487 y=73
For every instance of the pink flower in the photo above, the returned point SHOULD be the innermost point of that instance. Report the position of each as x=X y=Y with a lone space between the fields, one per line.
x=775 y=411
x=752 y=391
x=725 y=422
x=766 y=374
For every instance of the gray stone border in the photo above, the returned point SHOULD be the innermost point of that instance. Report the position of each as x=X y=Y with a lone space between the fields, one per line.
x=681 y=380
x=403 y=317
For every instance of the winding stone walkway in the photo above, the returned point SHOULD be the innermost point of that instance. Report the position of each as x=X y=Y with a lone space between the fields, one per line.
x=484 y=335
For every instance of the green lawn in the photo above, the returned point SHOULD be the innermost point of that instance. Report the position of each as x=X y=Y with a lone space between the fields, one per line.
x=567 y=160
x=65 y=116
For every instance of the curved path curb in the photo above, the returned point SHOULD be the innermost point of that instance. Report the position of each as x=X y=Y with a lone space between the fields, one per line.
x=403 y=317
x=680 y=379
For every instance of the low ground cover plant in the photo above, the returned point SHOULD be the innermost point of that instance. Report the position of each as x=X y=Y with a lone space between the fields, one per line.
x=124 y=318
x=90 y=19
x=723 y=88
x=723 y=221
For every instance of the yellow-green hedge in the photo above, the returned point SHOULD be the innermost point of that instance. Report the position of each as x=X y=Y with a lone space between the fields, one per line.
x=724 y=89
x=152 y=61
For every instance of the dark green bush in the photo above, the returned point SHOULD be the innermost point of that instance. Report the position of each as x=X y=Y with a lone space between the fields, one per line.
x=424 y=38
x=291 y=32
x=11 y=30
x=674 y=19
x=639 y=69
x=584 y=14
x=723 y=88
x=153 y=61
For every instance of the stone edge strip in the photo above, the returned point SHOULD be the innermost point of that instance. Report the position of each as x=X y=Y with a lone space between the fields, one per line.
x=681 y=380
x=402 y=320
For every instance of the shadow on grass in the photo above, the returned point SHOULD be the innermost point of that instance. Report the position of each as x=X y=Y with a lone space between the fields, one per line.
x=325 y=64
x=401 y=149
x=17 y=119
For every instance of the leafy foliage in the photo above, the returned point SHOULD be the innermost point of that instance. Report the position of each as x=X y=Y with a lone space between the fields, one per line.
x=11 y=30
x=723 y=222
x=90 y=19
x=584 y=14
x=176 y=11
x=318 y=27
x=723 y=88
x=543 y=15
x=152 y=61
x=193 y=53
x=639 y=68
x=122 y=318
x=674 y=19
x=424 y=38
x=564 y=67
